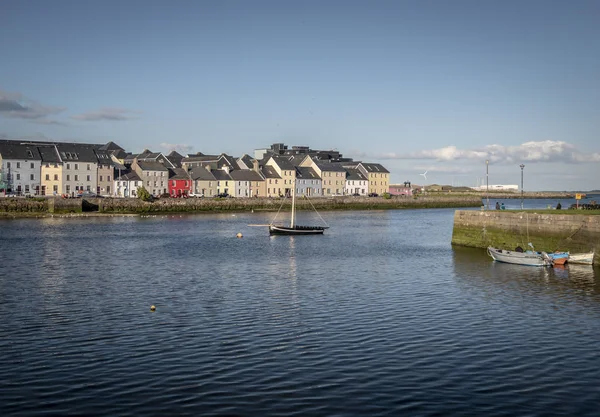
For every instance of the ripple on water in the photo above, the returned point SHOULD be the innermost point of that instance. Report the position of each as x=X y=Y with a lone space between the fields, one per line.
x=380 y=316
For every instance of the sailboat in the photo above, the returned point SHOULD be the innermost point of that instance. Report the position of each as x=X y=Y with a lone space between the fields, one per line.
x=293 y=228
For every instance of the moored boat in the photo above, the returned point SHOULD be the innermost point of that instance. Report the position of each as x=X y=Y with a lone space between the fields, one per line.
x=581 y=258
x=559 y=258
x=528 y=258
x=293 y=228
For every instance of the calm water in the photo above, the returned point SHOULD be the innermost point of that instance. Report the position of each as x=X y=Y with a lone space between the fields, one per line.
x=378 y=317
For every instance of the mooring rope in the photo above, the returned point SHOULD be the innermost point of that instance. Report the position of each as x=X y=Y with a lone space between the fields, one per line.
x=323 y=220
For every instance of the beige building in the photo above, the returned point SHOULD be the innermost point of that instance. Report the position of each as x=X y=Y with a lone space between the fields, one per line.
x=154 y=176
x=333 y=175
x=204 y=182
x=378 y=177
x=286 y=172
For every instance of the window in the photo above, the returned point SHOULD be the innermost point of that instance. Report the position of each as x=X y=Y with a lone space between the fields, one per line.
x=32 y=165
x=68 y=178
x=8 y=165
x=68 y=166
x=100 y=177
x=108 y=189
x=88 y=167
x=47 y=177
x=76 y=177
x=68 y=187
x=32 y=177
x=88 y=188
x=76 y=166
x=18 y=165
x=18 y=175
x=89 y=178
x=108 y=178
x=47 y=165
x=55 y=188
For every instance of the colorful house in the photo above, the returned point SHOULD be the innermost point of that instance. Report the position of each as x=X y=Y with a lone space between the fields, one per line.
x=180 y=183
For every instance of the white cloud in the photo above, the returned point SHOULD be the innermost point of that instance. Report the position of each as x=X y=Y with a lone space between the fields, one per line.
x=181 y=148
x=108 y=113
x=543 y=151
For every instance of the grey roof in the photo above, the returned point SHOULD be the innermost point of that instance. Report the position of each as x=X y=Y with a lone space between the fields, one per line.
x=111 y=146
x=200 y=158
x=202 y=174
x=15 y=150
x=151 y=166
x=221 y=175
x=120 y=154
x=269 y=172
x=76 y=152
x=49 y=155
x=245 y=175
x=355 y=175
x=306 y=173
x=247 y=160
x=283 y=163
x=103 y=157
x=178 y=174
x=175 y=159
x=129 y=176
x=296 y=159
x=329 y=166
x=374 y=168
x=226 y=160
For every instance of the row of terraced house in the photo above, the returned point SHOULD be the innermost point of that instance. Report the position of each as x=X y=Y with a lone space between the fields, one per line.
x=71 y=169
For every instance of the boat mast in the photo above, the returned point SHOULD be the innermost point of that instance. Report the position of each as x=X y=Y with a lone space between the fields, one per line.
x=293 y=204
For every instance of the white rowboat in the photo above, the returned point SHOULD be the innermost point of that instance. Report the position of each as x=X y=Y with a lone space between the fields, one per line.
x=581 y=258
x=528 y=258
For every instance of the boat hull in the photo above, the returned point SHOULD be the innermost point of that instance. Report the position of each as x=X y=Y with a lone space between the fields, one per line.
x=520 y=258
x=296 y=230
x=581 y=258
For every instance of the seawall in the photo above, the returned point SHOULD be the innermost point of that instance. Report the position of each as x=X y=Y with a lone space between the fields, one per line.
x=28 y=206
x=507 y=230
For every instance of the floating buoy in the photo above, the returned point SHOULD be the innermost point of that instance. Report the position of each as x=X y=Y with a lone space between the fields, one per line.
x=239 y=235
x=152 y=308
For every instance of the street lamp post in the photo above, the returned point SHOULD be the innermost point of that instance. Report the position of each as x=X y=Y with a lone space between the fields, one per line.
x=487 y=184
x=522 y=166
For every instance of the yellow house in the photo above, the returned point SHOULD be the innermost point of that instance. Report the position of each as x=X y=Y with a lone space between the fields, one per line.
x=378 y=177
x=273 y=182
x=333 y=175
x=286 y=171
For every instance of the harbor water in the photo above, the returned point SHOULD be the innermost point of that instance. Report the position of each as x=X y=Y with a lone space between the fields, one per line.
x=380 y=316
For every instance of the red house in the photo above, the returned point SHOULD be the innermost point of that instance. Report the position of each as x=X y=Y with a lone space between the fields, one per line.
x=180 y=183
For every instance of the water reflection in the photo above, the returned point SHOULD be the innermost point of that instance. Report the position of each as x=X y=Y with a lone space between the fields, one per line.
x=475 y=269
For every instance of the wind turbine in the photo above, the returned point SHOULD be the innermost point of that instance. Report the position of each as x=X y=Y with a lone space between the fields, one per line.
x=424 y=176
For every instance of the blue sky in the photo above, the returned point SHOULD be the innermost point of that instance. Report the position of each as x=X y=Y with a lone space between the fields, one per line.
x=437 y=86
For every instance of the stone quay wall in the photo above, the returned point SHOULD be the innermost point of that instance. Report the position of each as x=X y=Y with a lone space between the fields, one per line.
x=547 y=232
x=16 y=206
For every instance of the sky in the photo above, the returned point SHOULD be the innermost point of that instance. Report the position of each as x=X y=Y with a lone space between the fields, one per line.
x=430 y=86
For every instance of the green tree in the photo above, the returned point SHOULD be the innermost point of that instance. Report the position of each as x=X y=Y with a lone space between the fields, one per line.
x=143 y=194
